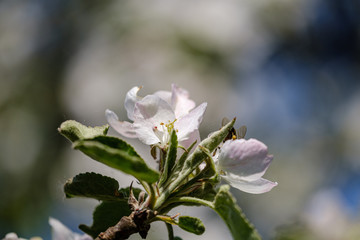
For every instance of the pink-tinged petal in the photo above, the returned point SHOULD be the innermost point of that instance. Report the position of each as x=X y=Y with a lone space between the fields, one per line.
x=124 y=128
x=246 y=158
x=153 y=109
x=192 y=137
x=151 y=114
x=130 y=100
x=164 y=95
x=190 y=122
x=256 y=187
x=180 y=101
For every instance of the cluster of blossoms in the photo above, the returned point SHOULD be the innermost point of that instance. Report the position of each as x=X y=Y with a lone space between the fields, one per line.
x=240 y=162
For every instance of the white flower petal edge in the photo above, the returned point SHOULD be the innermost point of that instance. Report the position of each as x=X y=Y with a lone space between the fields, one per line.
x=190 y=122
x=243 y=163
x=61 y=232
x=124 y=128
x=130 y=100
x=255 y=187
x=180 y=101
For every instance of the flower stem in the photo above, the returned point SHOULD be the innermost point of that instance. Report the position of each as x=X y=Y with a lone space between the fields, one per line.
x=152 y=196
x=191 y=200
x=170 y=231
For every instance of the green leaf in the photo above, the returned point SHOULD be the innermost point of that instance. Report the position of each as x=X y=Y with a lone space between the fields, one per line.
x=73 y=130
x=240 y=227
x=177 y=238
x=206 y=192
x=106 y=215
x=117 y=154
x=170 y=158
x=109 y=213
x=191 y=224
x=93 y=185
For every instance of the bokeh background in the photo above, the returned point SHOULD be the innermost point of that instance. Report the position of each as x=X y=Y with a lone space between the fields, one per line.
x=288 y=70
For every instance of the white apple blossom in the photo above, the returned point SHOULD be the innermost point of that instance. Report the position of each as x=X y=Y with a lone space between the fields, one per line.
x=60 y=232
x=242 y=163
x=155 y=116
x=14 y=236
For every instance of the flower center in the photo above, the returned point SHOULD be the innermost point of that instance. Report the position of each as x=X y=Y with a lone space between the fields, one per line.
x=163 y=131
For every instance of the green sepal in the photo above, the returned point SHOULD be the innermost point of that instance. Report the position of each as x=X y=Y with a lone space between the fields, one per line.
x=240 y=227
x=117 y=154
x=170 y=158
x=191 y=224
x=74 y=130
x=178 y=165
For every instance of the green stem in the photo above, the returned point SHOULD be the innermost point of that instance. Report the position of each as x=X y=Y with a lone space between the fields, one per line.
x=162 y=156
x=170 y=231
x=152 y=195
x=145 y=186
x=190 y=200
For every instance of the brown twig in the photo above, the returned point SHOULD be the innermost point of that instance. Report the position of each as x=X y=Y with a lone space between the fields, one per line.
x=136 y=222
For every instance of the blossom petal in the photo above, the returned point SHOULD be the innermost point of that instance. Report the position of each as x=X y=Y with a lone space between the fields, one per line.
x=61 y=232
x=192 y=137
x=180 y=101
x=154 y=109
x=145 y=132
x=124 y=128
x=246 y=158
x=152 y=113
x=130 y=100
x=164 y=95
x=190 y=122
x=256 y=187
x=12 y=236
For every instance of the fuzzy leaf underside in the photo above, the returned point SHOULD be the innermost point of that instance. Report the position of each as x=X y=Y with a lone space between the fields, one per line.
x=117 y=154
x=239 y=226
x=74 y=130
x=93 y=185
x=191 y=224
